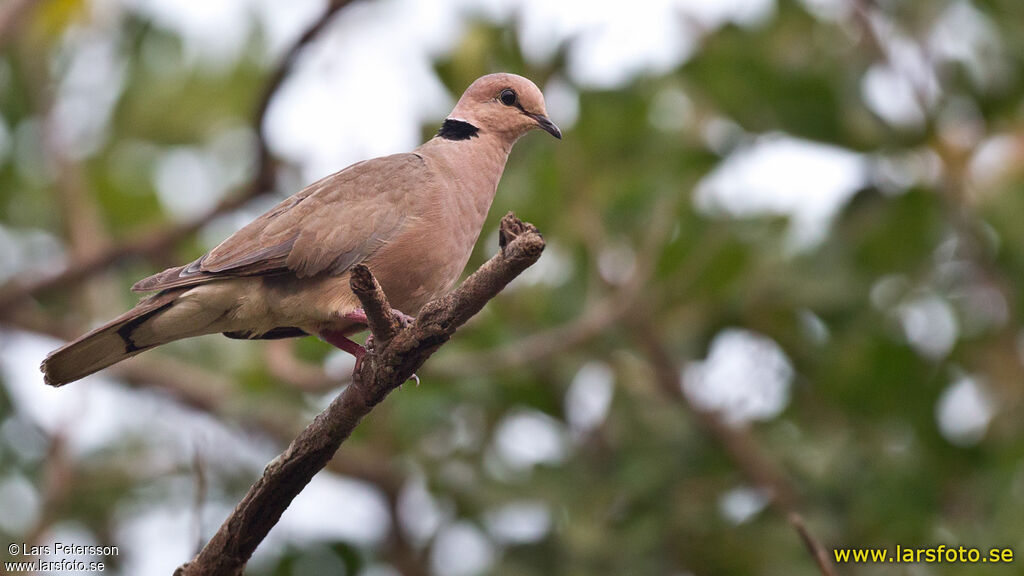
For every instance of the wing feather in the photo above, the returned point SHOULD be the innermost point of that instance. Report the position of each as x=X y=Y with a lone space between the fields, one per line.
x=327 y=227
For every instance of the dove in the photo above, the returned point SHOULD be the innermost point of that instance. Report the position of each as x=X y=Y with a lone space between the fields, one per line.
x=411 y=218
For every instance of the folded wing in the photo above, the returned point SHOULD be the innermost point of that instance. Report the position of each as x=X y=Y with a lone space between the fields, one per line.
x=327 y=227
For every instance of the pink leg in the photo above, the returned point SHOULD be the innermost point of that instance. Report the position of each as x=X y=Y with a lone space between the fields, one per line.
x=356 y=315
x=341 y=342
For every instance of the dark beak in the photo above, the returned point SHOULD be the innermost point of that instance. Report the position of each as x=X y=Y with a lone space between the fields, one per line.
x=546 y=125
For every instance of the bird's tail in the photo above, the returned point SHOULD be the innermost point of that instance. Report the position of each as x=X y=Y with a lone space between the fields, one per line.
x=119 y=339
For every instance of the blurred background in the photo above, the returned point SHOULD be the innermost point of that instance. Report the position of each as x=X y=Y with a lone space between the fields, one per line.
x=785 y=245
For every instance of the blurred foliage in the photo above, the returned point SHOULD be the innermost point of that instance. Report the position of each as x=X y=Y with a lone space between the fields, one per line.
x=642 y=493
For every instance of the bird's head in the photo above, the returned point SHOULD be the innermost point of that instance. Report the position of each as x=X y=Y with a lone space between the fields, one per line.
x=503 y=104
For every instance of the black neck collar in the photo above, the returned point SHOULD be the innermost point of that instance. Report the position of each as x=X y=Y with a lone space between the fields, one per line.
x=457 y=130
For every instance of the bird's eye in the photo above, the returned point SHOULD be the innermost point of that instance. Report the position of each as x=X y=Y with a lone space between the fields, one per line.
x=508 y=97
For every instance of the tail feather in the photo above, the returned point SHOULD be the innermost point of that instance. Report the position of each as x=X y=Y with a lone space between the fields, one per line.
x=105 y=345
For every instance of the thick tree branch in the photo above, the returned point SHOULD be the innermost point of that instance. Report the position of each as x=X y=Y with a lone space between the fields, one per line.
x=390 y=363
x=147 y=242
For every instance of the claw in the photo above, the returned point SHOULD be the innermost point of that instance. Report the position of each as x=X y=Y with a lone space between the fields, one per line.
x=413 y=377
x=404 y=319
x=339 y=340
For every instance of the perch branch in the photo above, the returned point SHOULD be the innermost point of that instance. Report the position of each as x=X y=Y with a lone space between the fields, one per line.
x=390 y=363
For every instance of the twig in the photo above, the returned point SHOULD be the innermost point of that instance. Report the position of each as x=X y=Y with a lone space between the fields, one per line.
x=813 y=546
x=737 y=443
x=865 y=16
x=12 y=13
x=58 y=476
x=392 y=361
x=405 y=556
x=200 y=499
x=147 y=242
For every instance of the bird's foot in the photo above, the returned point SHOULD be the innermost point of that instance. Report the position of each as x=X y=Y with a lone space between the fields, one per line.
x=340 y=341
x=355 y=350
x=404 y=320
